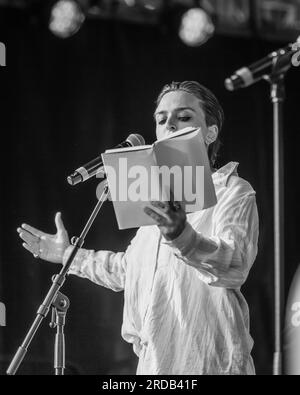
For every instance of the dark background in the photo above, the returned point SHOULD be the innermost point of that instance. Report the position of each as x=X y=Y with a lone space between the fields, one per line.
x=62 y=102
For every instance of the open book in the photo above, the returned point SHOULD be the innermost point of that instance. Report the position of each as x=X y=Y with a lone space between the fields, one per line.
x=177 y=163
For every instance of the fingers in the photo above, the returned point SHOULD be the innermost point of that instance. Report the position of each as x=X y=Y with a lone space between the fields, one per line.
x=160 y=208
x=32 y=230
x=167 y=207
x=171 y=196
x=59 y=223
x=159 y=219
x=28 y=237
x=28 y=248
x=160 y=205
x=174 y=204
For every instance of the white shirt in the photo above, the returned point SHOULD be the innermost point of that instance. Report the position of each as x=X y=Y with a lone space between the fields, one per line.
x=183 y=309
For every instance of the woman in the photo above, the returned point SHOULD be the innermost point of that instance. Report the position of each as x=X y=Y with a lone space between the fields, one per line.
x=183 y=309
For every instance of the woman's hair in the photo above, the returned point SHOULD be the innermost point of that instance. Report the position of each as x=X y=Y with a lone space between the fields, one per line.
x=214 y=114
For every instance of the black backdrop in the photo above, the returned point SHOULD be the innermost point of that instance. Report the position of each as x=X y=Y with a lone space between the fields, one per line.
x=64 y=101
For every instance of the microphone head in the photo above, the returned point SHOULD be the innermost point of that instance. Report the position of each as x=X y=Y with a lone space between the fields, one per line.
x=229 y=84
x=74 y=178
x=135 y=140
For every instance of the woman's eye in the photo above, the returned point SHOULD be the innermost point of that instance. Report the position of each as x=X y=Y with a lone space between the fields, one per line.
x=161 y=121
x=185 y=119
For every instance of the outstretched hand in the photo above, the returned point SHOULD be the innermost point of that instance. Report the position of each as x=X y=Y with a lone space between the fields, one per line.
x=42 y=245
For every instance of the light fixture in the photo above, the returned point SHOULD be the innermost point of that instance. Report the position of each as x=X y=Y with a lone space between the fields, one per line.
x=196 y=27
x=66 y=18
x=130 y=3
x=151 y=5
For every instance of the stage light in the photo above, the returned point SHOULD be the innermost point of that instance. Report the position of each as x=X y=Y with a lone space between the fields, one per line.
x=150 y=5
x=130 y=3
x=196 y=27
x=66 y=18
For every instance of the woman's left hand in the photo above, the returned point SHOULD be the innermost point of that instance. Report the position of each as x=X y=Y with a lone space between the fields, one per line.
x=169 y=216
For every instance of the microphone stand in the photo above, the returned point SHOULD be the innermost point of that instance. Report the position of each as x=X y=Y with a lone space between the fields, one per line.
x=59 y=310
x=277 y=89
x=51 y=297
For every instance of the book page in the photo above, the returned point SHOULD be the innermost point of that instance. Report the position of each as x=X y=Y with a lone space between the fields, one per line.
x=133 y=181
x=181 y=132
x=185 y=169
x=134 y=148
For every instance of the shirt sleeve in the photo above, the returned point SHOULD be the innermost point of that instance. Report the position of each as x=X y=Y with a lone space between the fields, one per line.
x=224 y=260
x=102 y=267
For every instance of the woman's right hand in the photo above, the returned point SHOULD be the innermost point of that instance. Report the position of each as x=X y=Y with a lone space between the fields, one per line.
x=42 y=245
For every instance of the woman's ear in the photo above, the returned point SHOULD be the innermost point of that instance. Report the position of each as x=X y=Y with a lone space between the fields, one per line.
x=212 y=134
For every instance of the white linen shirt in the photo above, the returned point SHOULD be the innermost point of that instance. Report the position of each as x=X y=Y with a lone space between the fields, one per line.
x=183 y=309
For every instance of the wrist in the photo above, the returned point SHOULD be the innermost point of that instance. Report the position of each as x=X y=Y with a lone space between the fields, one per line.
x=66 y=253
x=175 y=234
x=185 y=241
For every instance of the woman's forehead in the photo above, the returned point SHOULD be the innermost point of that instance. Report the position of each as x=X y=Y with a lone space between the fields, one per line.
x=178 y=99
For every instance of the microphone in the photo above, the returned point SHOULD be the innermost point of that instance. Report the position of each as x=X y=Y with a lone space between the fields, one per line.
x=95 y=166
x=247 y=76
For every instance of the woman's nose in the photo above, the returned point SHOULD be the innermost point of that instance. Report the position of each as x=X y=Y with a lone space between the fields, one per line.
x=171 y=127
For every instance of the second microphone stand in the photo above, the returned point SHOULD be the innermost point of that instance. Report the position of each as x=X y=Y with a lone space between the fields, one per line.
x=281 y=65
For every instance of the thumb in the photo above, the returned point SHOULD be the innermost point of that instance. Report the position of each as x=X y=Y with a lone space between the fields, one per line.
x=59 y=223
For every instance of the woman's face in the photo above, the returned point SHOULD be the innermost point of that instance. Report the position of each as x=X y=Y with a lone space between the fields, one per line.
x=178 y=110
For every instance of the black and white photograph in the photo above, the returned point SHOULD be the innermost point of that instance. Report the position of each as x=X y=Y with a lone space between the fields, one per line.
x=149 y=196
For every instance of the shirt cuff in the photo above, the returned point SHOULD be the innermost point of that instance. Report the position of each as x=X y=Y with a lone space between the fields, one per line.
x=184 y=242
x=75 y=267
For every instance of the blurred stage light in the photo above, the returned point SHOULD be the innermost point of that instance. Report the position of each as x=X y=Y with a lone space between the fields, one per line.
x=130 y=3
x=150 y=5
x=196 y=27
x=66 y=18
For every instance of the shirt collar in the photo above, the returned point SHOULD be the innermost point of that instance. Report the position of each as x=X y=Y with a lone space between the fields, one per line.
x=220 y=177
